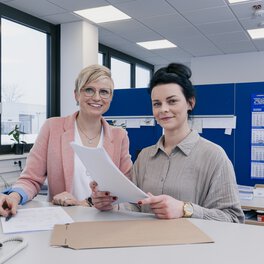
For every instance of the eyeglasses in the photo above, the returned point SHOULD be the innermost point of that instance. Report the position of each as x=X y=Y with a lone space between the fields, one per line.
x=104 y=93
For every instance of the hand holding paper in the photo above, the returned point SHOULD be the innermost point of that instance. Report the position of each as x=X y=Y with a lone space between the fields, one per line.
x=107 y=175
x=102 y=200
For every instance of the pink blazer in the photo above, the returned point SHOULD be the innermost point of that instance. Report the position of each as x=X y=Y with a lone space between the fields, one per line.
x=52 y=156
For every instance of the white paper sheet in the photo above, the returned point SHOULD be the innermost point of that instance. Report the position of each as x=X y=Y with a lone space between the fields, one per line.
x=258 y=192
x=133 y=123
x=219 y=122
x=228 y=131
x=35 y=219
x=107 y=175
x=196 y=124
x=147 y=122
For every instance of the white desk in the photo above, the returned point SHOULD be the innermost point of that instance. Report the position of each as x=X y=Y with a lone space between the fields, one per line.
x=234 y=243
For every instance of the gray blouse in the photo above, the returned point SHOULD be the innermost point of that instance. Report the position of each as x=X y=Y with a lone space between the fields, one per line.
x=197 y=171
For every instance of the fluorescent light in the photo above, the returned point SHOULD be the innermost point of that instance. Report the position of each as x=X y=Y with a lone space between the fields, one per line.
x=157 y=44
x=102 y=14
x=256 y=33
x=237 y=1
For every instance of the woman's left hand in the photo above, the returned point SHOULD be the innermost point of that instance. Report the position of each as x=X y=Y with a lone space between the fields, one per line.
x=102 y=200
x=164 y=206
x=65 y=199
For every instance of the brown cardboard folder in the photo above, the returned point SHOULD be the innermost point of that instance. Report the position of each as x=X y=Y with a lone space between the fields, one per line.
x=81 y=235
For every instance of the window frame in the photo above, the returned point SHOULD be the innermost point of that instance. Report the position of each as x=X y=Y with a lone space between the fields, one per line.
x=108 y=53
x=53 y=60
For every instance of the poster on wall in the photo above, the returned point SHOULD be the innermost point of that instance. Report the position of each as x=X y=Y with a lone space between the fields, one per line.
x=257 y=136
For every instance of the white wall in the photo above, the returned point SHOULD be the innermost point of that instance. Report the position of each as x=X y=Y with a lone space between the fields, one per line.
x=235 y=68
x=79 y=48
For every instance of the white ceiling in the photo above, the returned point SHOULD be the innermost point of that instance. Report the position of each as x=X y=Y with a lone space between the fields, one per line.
x=198 y=27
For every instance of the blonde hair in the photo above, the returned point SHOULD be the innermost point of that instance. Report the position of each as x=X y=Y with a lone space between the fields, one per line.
x=92 y=73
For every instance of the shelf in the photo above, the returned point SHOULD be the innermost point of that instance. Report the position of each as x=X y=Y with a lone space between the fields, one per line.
x=13 y=156
x=253 y=222
x=253 y=207
x=257 y=203
x=251 y=216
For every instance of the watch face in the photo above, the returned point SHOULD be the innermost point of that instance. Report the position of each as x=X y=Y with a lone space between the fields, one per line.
x=188 y=210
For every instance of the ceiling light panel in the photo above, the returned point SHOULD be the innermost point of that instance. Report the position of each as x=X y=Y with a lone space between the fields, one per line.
x=102 y=14
x=237 y=1
x=157 y=44
x=256 y=33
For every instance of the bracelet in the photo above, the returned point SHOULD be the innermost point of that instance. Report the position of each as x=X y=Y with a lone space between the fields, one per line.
x=89 y=201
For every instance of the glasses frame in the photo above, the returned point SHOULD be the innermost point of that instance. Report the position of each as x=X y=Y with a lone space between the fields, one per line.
x=83 y=90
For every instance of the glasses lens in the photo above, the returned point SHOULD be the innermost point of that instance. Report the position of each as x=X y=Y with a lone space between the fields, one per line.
x=105 y=93
x=89 y=91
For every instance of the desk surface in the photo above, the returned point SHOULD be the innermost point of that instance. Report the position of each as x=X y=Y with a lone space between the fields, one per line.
x=234 y=243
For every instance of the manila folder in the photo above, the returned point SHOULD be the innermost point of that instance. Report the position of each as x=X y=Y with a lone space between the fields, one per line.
x=131 y=233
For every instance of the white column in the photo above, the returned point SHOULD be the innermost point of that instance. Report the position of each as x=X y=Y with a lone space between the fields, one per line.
x=79 y=48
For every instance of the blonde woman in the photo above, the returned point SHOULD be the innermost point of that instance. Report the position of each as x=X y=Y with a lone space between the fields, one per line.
x=52 y=157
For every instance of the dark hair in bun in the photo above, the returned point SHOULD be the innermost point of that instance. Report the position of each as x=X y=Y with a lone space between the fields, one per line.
x=174 y=73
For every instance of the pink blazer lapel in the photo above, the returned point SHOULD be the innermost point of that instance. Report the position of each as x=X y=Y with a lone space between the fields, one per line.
x=108 y=139
x=67 y=152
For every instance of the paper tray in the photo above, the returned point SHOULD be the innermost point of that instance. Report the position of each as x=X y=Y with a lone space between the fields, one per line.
x=84 y=235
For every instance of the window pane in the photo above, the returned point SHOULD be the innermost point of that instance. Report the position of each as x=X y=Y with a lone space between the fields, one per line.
x=100 y=58
x=120 y=73
x=24 y=80
x=142 y=77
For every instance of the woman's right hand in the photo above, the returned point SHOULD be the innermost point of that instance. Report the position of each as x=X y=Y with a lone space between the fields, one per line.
x=101 y=200
x=9 y=203
x=65 y=199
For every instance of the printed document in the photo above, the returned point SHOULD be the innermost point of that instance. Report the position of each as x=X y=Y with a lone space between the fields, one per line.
x=35 y=219
x=108 y=177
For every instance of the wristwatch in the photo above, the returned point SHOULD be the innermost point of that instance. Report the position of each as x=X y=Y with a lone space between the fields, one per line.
x=187 y=209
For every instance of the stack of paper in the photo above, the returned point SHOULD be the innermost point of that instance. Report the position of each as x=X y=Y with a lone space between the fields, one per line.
x=35 y=219
x=245 y=192
x=258 y=192
x=108 y=177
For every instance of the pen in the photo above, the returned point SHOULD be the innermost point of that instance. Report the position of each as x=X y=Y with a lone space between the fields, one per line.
x=8 y=217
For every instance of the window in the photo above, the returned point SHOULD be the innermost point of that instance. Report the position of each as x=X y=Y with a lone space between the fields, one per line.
x=143 y=76
x=121 y=73
x=100 y=58
x=23 y=80
x=127 y=71
x=29 y=74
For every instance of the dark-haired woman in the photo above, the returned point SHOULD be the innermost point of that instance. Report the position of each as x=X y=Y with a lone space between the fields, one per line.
x=184 y=174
